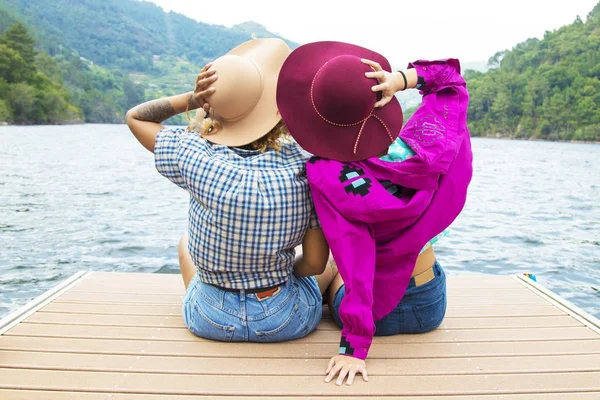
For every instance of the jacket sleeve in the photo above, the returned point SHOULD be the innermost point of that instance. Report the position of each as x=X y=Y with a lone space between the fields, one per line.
x=353 y=248
x=438 y=75
x=433 y=130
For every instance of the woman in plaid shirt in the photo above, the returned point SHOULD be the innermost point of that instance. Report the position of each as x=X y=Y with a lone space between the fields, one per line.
x=250 y=205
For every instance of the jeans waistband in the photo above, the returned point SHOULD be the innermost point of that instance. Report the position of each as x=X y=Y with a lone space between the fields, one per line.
x=250 y=291
x=426 y=276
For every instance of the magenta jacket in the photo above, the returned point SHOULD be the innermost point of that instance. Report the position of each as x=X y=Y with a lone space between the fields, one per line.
x=375 y=237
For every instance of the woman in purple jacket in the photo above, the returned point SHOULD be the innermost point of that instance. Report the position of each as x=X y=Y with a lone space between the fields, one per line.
x=382 y=192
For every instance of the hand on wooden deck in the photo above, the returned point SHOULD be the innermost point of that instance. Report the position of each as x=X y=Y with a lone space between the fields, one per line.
x=345 y=366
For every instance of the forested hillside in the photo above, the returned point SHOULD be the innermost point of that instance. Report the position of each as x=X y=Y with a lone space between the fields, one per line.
x=93 y=59
x=547 y=89
x=27 y=93
x=112 y=54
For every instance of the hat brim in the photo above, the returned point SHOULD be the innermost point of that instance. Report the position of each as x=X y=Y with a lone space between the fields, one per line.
x=268 y=55
x=311 y=131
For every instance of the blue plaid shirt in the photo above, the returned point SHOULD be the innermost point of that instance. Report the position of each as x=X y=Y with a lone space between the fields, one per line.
x=248 y=210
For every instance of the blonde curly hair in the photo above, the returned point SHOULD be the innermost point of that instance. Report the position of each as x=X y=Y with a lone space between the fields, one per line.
x=273 y=140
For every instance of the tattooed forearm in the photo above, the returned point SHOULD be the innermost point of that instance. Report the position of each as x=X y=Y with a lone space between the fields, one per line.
x=155 y=110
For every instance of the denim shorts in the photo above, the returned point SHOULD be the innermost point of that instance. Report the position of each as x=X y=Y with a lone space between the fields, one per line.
x=421 y=310
x=291 y=313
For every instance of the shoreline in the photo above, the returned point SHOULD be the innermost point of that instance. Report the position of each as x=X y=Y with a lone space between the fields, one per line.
x=538 y=139
x=69 y=122
x=491 y=136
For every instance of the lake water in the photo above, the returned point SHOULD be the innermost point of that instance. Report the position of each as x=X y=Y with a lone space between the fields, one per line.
x=88 y=198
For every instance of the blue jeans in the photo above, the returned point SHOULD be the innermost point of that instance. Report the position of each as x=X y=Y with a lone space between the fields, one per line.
x=421 y=310
x=213 y=313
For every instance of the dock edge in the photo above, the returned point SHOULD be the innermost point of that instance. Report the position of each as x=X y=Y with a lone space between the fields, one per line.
x=48 y=296
x=585 y=318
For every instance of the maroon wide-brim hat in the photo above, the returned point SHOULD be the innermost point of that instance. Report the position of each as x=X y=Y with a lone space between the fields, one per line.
x=327 y=103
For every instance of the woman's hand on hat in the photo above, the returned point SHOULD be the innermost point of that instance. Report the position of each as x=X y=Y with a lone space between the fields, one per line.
x=205 y=78
x=387 y=82
x=343 y=366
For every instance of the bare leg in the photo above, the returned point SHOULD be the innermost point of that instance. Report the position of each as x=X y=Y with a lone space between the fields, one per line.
x=332 y=290
x=325 y=279
x=188 y=269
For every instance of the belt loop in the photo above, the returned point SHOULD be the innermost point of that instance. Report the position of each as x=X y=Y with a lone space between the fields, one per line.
x=437 y=269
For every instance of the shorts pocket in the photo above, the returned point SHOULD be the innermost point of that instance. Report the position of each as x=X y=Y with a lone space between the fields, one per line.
x=294 y=326
x=430 y=316
x=204 y=326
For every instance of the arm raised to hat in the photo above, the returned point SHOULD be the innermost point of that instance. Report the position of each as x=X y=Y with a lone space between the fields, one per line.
x=145 y=120
x=390 y=82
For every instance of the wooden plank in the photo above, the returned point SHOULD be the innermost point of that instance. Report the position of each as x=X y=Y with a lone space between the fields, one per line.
x=296 y=385
x=152 y=299
x=177 y=288
x=135 y=278
x=296 y=349
x=9 y=394
x=509 y=322
x=324 y=336
x=83 y=297
x=290 y=366
x=177 y=322
x=504 y=311
x=107 y=320
x=171 y=310
x=115 y=309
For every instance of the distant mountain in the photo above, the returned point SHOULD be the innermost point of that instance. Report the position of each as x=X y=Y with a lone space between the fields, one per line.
x=125 y=34
x=112 y=54
x=252 y=28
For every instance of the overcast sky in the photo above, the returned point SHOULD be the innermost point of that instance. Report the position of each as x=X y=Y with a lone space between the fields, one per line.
x=400 y=30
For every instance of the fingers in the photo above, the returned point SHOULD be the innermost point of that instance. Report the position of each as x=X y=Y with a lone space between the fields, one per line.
x=372 y=64
x=203 y=93
x=333 y=372
x=206 y=67
x=351 y=375
x=342 y=375
x=381 y=87
x=365 y=375
x=384 y=100
x=206 y=74
x=331 y=364
x=205 y=81
x=377 y=75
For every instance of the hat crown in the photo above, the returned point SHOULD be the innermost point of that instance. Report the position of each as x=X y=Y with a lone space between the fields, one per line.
x=238 y=88
x=341 y=93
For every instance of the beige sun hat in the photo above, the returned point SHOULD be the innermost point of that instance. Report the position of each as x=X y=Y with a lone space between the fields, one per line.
x=245 y=93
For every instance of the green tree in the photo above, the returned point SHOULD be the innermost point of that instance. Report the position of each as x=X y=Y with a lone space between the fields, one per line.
x=29 y=95
x=12 y=66
x=133 y=93
x=5 y=113
x=18 y=39
x=20 y=99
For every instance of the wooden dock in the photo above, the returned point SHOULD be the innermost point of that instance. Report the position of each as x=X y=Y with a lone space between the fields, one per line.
x=120 y=336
